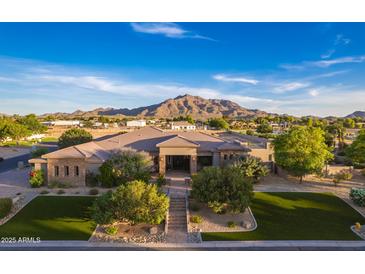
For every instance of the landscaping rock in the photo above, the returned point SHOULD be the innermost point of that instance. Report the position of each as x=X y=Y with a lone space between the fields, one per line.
x=153 y=230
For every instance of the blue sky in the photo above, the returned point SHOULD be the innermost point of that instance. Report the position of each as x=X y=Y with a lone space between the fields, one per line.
x=294 y=68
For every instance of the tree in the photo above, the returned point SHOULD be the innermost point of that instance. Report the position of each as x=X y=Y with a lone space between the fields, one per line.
x=39 y=151
x=219 y=123
x=135 y=202
x=223 y=189
x=264 y=128
x=11 y=129
x=356 y=151
x=125 y=166
x=190 y=119
x=349 y=123
x=31 y=122
x=252 y=167
x=302 y=150
x=74 y=136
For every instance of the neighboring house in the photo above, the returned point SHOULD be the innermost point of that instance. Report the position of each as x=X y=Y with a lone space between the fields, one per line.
x=182 y=125
x=62 y=123
x=136 y=123
x=187 y=151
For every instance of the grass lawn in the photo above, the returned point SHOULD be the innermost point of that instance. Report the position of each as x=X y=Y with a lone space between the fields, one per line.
x=18 y=144
x=50 y=139
x=52 y=218
x=296 y=216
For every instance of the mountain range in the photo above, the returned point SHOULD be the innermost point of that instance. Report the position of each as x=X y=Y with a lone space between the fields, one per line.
x=195 y=106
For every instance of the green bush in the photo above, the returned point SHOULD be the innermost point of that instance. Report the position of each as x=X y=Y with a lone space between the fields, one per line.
x=36 y=178
x=60 y=192
x=39 y=151
x=343 y=175
x=194 y=207
x=252 y=167
x=93 y=191
x=136 y=202
x=358 y=196
x=44 y=192
x=91 y=179
x=5 y=207
x=124 y=167
x=196 y=219
x=74 y=136
x=231 y=224
x=111 y=230
x=161 y=180
x=223 y=189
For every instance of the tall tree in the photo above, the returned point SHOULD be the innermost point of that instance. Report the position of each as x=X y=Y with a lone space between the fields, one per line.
x=302 y=150
x=31 y=122
x=356 y=151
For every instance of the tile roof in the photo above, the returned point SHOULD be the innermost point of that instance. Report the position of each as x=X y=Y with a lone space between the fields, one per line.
x=147 y=139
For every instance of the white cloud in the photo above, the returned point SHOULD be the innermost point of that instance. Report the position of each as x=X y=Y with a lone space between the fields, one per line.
x=225 y=78
x=170 y=30
x=313 y=92
x=342 y=40
x=328 y=54
x=290 y=86
x=342 y=60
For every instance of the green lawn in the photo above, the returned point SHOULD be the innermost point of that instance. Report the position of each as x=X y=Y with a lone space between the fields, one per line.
x=296 y=216
x=52 y=218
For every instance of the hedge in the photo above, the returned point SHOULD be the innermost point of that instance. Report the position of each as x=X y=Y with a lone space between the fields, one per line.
x=5 y=206
x=358 y=196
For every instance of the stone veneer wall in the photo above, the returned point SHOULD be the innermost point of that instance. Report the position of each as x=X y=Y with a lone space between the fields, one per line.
x=71 y=179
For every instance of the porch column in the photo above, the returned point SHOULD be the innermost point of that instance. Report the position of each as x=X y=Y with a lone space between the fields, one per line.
x=193 y=164
x=162 y=164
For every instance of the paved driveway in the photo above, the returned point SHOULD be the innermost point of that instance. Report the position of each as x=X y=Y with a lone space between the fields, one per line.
x=13 y=182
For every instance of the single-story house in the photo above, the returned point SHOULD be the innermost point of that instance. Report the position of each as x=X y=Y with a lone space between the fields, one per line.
x=184 y=150
x=182 y=125
x=136 y=123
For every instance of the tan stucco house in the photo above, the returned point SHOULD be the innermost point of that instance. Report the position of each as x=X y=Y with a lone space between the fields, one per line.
x=182 y=150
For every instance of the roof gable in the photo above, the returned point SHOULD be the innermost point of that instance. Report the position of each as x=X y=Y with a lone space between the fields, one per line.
x=177 y=141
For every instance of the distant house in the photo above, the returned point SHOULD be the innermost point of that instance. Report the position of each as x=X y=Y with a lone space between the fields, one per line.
x=182 y=125
x=62 y=123
x=136 y=123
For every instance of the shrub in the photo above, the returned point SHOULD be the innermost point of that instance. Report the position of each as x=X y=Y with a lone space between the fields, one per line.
x=196 y=219
x=161 y=180
x=194 y=207
x=38 y=152
x=111 y=230
x=223 y=188
x=136 y=202
x=44 y=192
x=231 y=224
x=358 y=196
x=252 y=167
x=358 y=226
x=5 y=206
x=341 y=176
x=60 y=192
x=36 y=178
x=91 y=179
x=217 y=207
x=93 y=191
x=124 y=167
x=74 y=136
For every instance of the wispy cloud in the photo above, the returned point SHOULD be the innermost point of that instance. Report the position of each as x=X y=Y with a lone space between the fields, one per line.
x=328 y=54
x=291 y=86
x=342 y=60
x=340 y=40
x=235 y=79
x=170 y=30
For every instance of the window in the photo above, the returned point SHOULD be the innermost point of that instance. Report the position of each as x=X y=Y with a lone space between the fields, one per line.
x=230 y=156
x=77 y=171
x=56 y=171
x=270 y=157
x=225 y=157
x=67 y=171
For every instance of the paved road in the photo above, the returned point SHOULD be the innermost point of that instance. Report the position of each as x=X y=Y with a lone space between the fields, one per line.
x=11 y=163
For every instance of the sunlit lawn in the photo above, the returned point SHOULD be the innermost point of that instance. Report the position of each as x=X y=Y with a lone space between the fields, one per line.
x=52 y=218
x=297 y=216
